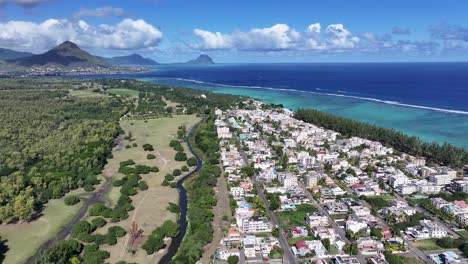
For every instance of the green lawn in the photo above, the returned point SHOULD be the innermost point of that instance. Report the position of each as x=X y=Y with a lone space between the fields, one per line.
x=427 y=245
x=464 y=234
x=123 y=92
x=24 y=239
x=295 y=218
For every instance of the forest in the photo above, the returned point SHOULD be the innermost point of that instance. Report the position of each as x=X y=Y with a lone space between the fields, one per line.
x=51 y=143
x=444 y=154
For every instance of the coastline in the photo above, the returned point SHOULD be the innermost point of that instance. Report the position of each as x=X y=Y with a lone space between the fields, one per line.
x=424 y=122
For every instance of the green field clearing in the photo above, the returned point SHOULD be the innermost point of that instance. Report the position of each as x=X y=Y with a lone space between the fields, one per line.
x=150 y=205
x=123 y=92
x=427 y=245
x=24 y=239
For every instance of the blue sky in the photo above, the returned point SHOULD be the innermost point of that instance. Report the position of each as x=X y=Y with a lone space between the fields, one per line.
x=244 y=30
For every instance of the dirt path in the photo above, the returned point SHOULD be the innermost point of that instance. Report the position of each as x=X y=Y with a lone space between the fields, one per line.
x=98 y=196
x=221 y=209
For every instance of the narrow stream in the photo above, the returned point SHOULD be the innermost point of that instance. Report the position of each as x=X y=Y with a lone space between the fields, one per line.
x=182 y=221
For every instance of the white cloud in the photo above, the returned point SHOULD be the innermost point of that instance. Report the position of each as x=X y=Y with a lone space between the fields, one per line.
x=212 y=41
x=341 y=38
x=279 y=37
x=30 y=36
x=105 y=11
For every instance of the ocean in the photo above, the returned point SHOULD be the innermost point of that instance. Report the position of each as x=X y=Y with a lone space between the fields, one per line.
x=428 y=100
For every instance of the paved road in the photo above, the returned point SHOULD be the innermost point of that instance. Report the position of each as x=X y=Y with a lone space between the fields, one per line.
x=332 y=222
x=288 y=257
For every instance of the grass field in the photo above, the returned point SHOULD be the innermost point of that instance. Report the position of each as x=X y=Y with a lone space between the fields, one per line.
x=24 y=239
x=123 y=92
x=427 y=245
x=463 y=234
x=150 y=205
x=85 y=93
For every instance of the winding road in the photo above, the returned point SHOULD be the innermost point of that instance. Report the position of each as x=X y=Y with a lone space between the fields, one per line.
x=182 y=221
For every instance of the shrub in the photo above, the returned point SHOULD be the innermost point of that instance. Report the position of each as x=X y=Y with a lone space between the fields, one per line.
x=99 y=222
x=150 y=156
x=169 y=177
x=142 y=169
x=173 y=208
x=117 y=183
x=142 y=186
x=180 y=156
x=111 y=240
x=165 y=183
x=154 y=169
x=117 y=231
x=72 y=200
x=89 y=188
x=173 y=185
x=153 y=244
x=82 y=227
x=174 y=143
x=176 y=172
x=127 y=163
x=192 y=162
x=97 y=209
x=184 y=168
x=148 y=147
x=134 y=145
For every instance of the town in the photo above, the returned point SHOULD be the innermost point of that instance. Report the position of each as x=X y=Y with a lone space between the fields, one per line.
x=300 y=193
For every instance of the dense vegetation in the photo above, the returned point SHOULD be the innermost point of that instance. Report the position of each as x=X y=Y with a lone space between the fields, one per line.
x=445 y=154
x=51 y=143
x=201 y=196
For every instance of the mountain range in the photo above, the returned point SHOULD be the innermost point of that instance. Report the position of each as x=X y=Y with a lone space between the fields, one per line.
x=69 y=56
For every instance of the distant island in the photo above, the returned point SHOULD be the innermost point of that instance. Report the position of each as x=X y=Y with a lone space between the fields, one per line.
x=202 y=59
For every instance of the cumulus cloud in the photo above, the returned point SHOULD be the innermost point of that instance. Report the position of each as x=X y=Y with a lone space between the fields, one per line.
x=400 y=31
x=127 y=34
x=102 y=12
x=279 y=37
x=340 y=37
x=23 y=3
x=212 y=40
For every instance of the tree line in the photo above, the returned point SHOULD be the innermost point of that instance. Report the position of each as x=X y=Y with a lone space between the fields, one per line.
x=444 y=154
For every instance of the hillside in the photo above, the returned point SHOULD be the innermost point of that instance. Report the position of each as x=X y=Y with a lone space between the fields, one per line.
x=67 y=54
x=133 y=59
x=202 y=59
x=8 y=54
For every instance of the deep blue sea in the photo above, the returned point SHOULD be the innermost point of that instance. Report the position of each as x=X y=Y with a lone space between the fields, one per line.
x=429 y=100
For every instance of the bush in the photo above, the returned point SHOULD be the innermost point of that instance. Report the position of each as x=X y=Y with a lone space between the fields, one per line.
x=233 y=260
x=169 y=177
x=154 y=169
x=127 y=163
x=148 y=147
x=174 y=143
x=142 y=186
x=192 y=162
x=142 y=169
x=180 y=156
x=111 y=240
x=176 y=172
x=153 y=244
x=61 y=252
x=72 y=200
x=82 y=227
x=165 y=183
x=184 y=168
x=98 y=222
x=117 y=183
x=89 y=188
x=117 y=231
x=173 y=185
x=150 y=156
x=97 y=209
x=134 y=145
x=173 y=208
